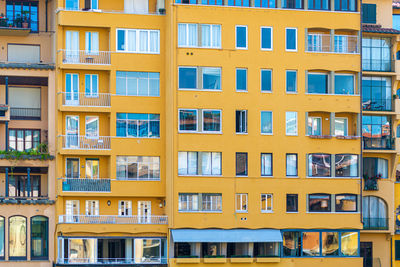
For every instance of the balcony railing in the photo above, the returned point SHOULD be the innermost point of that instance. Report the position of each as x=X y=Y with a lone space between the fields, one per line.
x=377 y=104
x=322 y=43
x=25 y=113
x=371 y=185
x=85 y=100
x=112 y=219
x=378 y=143
x=113 y=261
x=84 y=142
x=380 y=65
x=160 y=11
x=376 y=223
x=86 y=57
x=86 y=185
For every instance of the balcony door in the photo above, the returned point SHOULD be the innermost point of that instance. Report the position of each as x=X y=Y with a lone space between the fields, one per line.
x=92 y=208
x=71 y=89
x=366 y=253
x=72 y=46
x=92 y=168
x=72 y=168
x=144 y=211
x=72 y=131
x=72 y=211
x=136 y=6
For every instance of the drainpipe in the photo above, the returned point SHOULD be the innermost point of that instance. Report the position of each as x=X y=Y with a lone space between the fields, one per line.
x=361 y=112
x=47 y=3
x=29 y=181
x=6 y=182
x=6 y=90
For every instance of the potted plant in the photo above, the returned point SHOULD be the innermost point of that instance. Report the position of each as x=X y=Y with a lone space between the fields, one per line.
x=3 y=20
x=18 y=21
x=395 y=96
x=25 y=19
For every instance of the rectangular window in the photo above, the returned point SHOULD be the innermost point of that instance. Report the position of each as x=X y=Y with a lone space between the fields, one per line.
x=138 y=41
x=318 y=4
x=124 y=208
x=345 y=5
x=319 y=165
x=23 y=139
x=377 y=54
x=211 y=202
x=188 y=202
x=140 y=168
x=72 y=4
x=138 y=125
x=266 y=3
x=291 y=244
x=377 y=132
x=317 y=83
x=241 y=37
x=291 y=81
x=266 y=164
x=19 y=12
x=314 y=126
x=266 y=80
x=319 y=203
x=396 y=21
x=207 y=78
x=241 y=121
x=291 y=39
x=397 y=249
x=188 y=120
x=241 y=79
x=188 y=35
x=211 y=121
x=346 y=203
x=377 y=93
x=266 y=203
x=291 y=123
x=266 y=38
x=92 y=43
x=341 y=126
x=346 y=165
x=291 y=165
x=92 y=208
x=241 y=164
x=202 y=202
x=241 y=203
x=369 y=13
x=92 y=127
x=266 y=122
x=18 y=186
x=311 y=244
x=292 y=203
x=295 y=4
x=199 y=163
x=91 y=85
x=133 y=83
x=344 y=84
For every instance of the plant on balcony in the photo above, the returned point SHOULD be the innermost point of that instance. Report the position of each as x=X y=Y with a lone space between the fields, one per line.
x=3 y=20
x=18 y=21
x=40 y=152
x=214 y=256
x=25 y=19
x=371 y=183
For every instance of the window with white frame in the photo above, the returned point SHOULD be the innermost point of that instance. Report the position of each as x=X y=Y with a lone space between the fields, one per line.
x=138 y=41
x=124 y=208
x=241 y=121
x=341 y=126
x=91 y=85
x=92 y=207
x=199 y=163
x=92 y=126
x=266 y=203
x=291 y=123
x=211 y=202
x=291 y=81
x=314 y=126
x=266 y=164
x=266 y=38
x=241 y=203
x=188 y=35
x=200 y=202
x=141 y=168
x=206 y=78
x=266 y=122
x=241 y=79
x=140 y=125
x=241 y=37
x=266 y=80
x=188 y=202
x=291 y=39
x=291 y=165
x=134 y=83
x=92 y=43
x=210 y=120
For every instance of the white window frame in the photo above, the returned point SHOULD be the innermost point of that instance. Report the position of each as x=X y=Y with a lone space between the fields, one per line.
x=247 y=37
x=272 y=122
x=190 y=199
x=261 y=89
x=297 y=81
x=92 y=95
x=286 y=123
x=137 y=83
x=141 y=160
x=296 y=39
x=137 y=33
x=92 y=205
x=211 y=36
x=200 y=112
x=272 y=38
x=199 y=78
x=272 y=164
x=97 y=4
x=202 y=120
x=312 y=120
x=346 y=124
x=247 y=80
x=187 y=35
x=265 y=209
x=198 y=168
x=197 y=120
x=89 y=50
x=245 y=120
x=98 y=126
x=239 y=198
x=126 y=206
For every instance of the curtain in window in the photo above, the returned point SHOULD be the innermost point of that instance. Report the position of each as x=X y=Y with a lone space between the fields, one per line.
x=131 y=40
x=206 y=163
x=154 y=42
x=182 y=34
x=192 y=163
x=291 y=165
x=192 y=35
x=216 y=163
x=266 y=164
x=216 y=35
x=206 y=35
x=382 y=167
x=143 y=41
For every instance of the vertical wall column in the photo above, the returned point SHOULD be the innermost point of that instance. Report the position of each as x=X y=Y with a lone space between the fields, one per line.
x=358 y=124
x=28 y=170
x=331 y=83
x=332 y=40
x=332 y=123
x=306 y=124
x=9 y=111
x=6 y=182
x=6 y=135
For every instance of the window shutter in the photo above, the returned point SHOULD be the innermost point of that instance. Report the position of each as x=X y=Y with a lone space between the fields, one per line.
x=369 y=13
x=397 y=249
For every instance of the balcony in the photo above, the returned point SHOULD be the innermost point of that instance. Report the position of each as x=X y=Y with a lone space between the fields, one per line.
x=84 y=100
x=322 y=43
x=108 y=261
x=377 y=104
x=371 y=184
x=112 y=219
x=383 y=143
x=86 y=185
x=4 y=113
x=86 y=57
x=77 y=142
x=377 y=65
x=25 y=113
x=376 y=223
x=16 y=27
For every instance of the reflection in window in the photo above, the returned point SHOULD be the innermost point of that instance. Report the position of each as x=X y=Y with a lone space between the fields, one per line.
x=311 y=243
x=82 y=250
x=267 y=249
x=188 y=120
x=344 y=84
x=330 y=243
x=211 y=249
x=319 y=165
x=317 y=83
x=346 y=203
x=375 y=166
x=376 y=132
x=376 y=54
x=18 y=186
x=349 y=243
x=138 y=168
x=377 y=93
x=319 y=203
x=140 y=125
x=345 y=5
x=39 y=237
x=17 y=237
x=23 y=11
x=346 y=165
x=147 y=250
x=291 y=244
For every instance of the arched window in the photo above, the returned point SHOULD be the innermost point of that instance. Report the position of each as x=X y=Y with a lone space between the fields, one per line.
x=17 y=238
x=2 y=233
x=375 y=166
x=375 y=213
x=39 y=237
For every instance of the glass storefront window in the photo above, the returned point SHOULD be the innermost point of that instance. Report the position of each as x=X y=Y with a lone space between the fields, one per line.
x=311 y=244
x=291 y=244
x=82 y=250
x=17 y=237
x=147 y=250
x=39 y=237
x=349 y=243
x=330 y=243
x=2 y=233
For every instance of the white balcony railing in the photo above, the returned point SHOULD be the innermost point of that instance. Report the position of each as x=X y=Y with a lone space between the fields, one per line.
x=112 y=219
x=85 y=142
x=85 y=100
x=113 y=261
x=342 y=44
x=86 y=57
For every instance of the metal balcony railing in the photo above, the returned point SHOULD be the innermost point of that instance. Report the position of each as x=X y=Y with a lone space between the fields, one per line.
x=86 y=100
x=112 y=219
x=86 y=57
x=374 y=104
x=86 y=185
x=384 y=143
x=113 y=261
x=25 y=113
x=376 y=223
x=85 y=142
x=379 y=65
x=342 y=44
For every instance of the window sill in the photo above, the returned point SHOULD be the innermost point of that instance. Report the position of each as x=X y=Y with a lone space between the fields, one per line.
x=291 y=50
x=266 y=212
x=295 y=135
x=267 y=134
x=133 y=137
x=267 y=49
x=242 y=133
x=242 y=91
x=241 y=212
x=241 y=48
x=292 y=212
x=266 y=92
x=199 y=90
x=200 y=47
x=129 y=52
x=195 y=211
x=292 y=176
x=331 y=177
x=191 y=132
x=292 y=93
x=196 y=176
x=242 y=176
x=357 y=95
x=267 y=176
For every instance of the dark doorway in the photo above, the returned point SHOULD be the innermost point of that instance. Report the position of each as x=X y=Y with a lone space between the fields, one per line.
x=366 y=253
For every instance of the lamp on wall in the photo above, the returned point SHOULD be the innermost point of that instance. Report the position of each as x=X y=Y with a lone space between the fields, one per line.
x=108 y=202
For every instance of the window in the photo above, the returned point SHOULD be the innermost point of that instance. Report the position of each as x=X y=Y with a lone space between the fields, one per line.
x=92 y=168
x=241 y=164
x=17 y=238
x=341 y=126
x=266 y=38
x=124 y=208
x=291 y=165
x=92 y=43
x=291 y=81
x=292 y=203
x=345 y=5
x=377 y=93
x=138 y=168
x=20 y=108
x=199 y=163
x=147 y=251
x=291 y=123
x=132 y=83
x=266 y=249
x=346 y=203
x=330 y=243
x=18 y=186
x=373 y=167
x=344 y=84
x=92 y=127
x=23 y=140
x=239 y=3
x=138 y=125
x=266 y=80
x=396 y=21
x=266 y=203
x=375 y=213
x=346 y=165
x=266 y=164
x=209 y=202
x=319 y=4
x=72 y=4
x=209 y=79
x=2 y=237
x=319 y=203
x=91 y=85
x=241 y=37
x=377 y=132
x=188 y=35
x=211 y=121
x=319 y=165
x=39 y=237
x=311 y=244
x=241 y=79
x=138 y=41
x=241 y=121
x=23 y=53
x=369 y=13
x=397 y=250
x=291 y=245
x=314 y=126
x=317 y=83
x=292 y=3
x=188 y=202
x=266 y=3
x=241 y=202
x=376 y=54
x=291 y=39
x=92 y=208
x=18 y=12
x=266 y=122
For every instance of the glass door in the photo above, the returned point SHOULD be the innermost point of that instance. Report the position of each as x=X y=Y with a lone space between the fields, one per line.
x=72 y=168
x=92 y=207
x=72 y=46
x=92 y=168
x=144 y=211
x=72 y=132
x=72 y=211
x=71 y=89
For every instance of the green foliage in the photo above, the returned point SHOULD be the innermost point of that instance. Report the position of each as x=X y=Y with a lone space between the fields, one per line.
x=41 y=152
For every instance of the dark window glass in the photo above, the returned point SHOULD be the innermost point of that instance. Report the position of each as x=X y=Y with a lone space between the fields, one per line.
x=266 y=80
x=376 y=54
x=241 y=37
x=319 y=165
x=377 y=93
x=266 y=38
x=319 y=4
x=397 y=249
x=291 y=244
x=23 y=14
x=188 y=120
x=291 y=39
x=18 y=186
x=188 y=78
x=39 y=237
x=241 y=164
x=292 y=3
x=369 y=13
x=330 y=244
x=377 y=132
x=345 y=5
x=375 y=167
x=319 y=203
x=346 y=165
x=346 y=203
x=291 y=202
x=241 y=121
x=241 y=79
x=265 y=3
x=291 y=81
x=317 y=83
